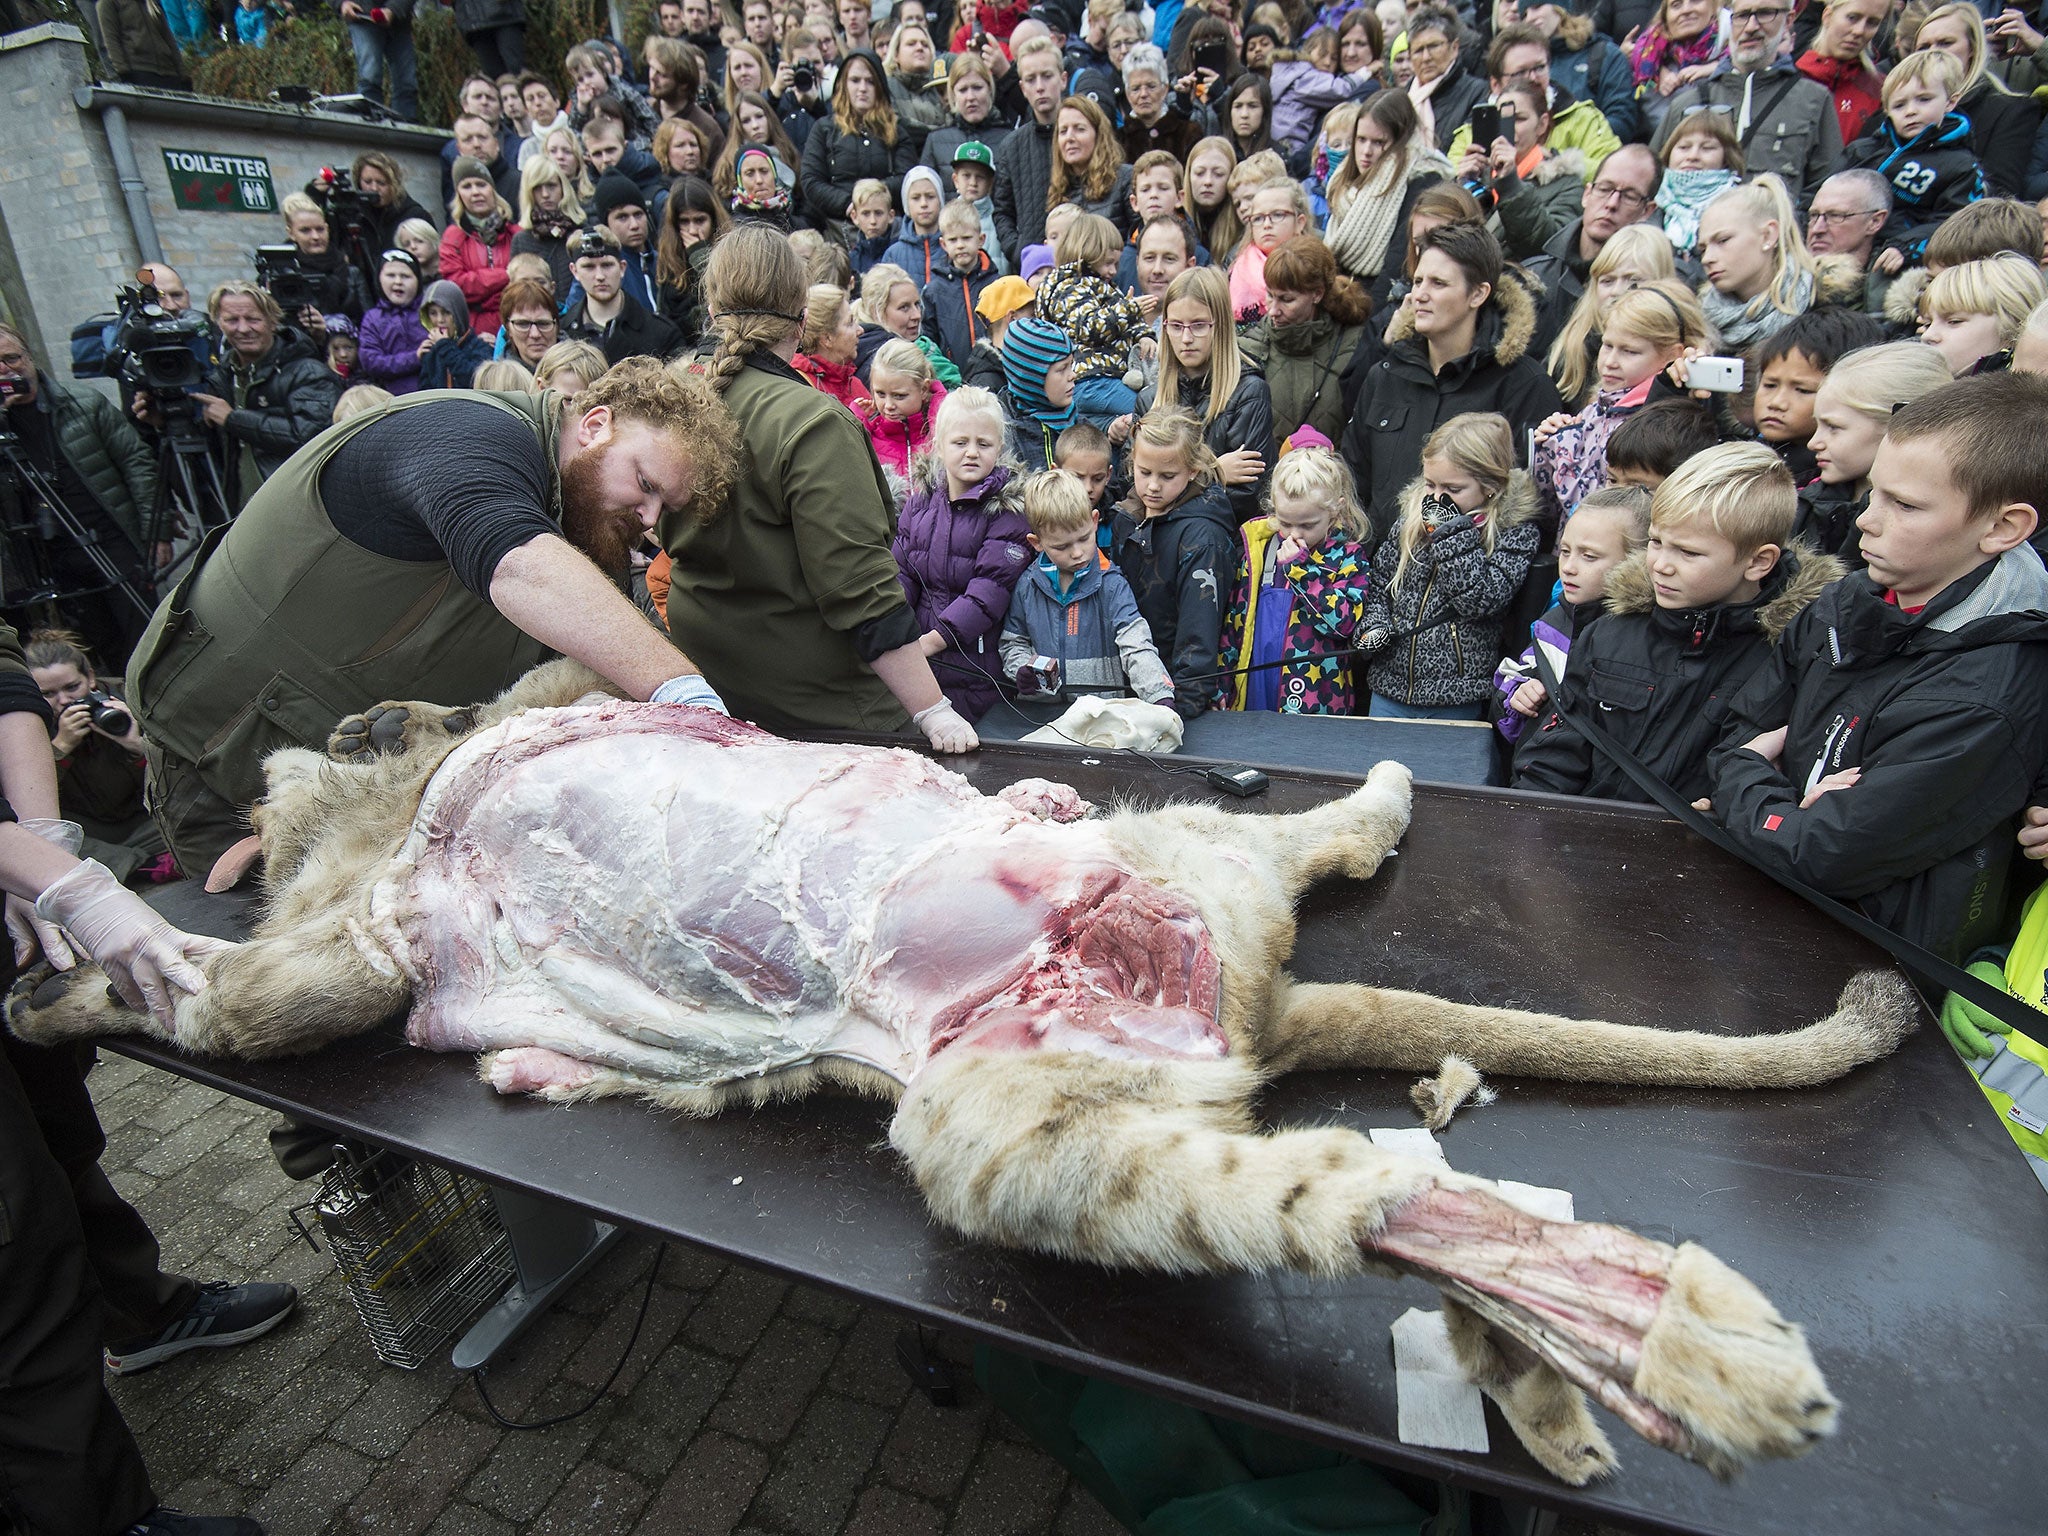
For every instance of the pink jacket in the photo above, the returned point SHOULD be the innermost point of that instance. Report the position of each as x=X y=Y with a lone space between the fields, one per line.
x=896 y=441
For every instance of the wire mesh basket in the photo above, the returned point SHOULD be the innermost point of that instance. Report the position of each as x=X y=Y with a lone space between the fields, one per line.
x=421 y=1249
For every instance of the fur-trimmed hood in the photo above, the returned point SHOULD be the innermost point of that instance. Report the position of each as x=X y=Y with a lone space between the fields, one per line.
x=1802 y=572
x=1517 y=503
x=1839 y=279
x=1507 y=322
x=1902 y=299
x=1561 y=162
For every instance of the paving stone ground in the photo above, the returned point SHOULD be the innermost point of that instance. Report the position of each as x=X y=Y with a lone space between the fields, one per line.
x=749 y=1404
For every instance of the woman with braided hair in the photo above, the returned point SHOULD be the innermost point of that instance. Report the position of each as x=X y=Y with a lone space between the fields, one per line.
x=791 y=600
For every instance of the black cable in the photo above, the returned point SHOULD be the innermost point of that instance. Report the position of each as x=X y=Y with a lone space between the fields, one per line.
x=646 y=1296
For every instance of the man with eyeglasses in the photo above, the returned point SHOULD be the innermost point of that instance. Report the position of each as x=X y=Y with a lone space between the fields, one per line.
x=1521 y=52
x=1848 y=211
x=1785 y=122
x=1624 y=193
x=528 y=310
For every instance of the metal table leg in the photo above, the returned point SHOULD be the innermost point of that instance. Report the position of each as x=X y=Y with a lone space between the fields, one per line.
x=552 y=1244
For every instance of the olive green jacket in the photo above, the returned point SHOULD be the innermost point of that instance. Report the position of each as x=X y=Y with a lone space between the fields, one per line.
x=766 y=597
x=1307 y=368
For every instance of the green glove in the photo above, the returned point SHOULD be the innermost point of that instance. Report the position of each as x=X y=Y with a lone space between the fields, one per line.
x=1966 y=1024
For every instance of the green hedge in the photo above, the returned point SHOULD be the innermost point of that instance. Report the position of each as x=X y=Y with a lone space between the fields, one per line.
x=314 y=51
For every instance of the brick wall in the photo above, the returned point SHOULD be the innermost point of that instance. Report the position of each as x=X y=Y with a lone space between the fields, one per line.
x=66 y=243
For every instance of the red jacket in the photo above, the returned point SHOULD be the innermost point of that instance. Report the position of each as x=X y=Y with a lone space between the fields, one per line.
x=839 y=380
x=1855 y=86
x=478 y=270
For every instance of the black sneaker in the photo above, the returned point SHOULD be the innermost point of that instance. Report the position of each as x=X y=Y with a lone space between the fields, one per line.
x=224 y=1314
x=162 y=1521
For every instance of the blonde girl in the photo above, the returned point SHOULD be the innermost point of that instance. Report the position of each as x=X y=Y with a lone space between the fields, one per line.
x=565 y=149
x=1636 y=253
x=1202 y=372
x=1301 y=586
x=1205 y=194
x=1179 y=570
x=1977 y=310
x=1760 y=275
x=1647 y=330
x=569 y=368
x=903 y=392
x=1850 y=414
x=1443 y=578
x=424 y=242
x=505 y=374
x=962 y=543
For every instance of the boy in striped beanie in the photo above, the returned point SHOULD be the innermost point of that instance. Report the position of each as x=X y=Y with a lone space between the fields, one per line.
x=1038 y=366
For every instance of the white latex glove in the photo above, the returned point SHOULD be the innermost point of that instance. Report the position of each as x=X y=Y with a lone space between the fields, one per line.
x=148 y=961
x=30 y=932
x=690 y=688
x=944 y=728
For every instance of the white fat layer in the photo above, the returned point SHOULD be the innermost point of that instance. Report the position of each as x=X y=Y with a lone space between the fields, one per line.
x=699 y=909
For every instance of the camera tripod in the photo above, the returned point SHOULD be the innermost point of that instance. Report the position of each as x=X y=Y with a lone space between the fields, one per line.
x=29 y=581
x=188 y=484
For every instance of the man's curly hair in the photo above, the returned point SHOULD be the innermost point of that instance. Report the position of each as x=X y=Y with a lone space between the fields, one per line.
x=675 y=401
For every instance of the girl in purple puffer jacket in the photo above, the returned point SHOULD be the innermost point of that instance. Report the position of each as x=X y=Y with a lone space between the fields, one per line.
x=392 y=342
x=960 y=547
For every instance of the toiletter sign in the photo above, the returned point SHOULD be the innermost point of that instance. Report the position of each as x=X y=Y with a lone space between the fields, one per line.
x=217 y=183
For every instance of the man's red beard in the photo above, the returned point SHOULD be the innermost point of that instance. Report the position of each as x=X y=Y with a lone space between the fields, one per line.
x=607 y=534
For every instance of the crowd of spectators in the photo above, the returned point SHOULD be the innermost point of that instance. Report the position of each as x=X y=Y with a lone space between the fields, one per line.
x=1325 y=324
x=1664 y=386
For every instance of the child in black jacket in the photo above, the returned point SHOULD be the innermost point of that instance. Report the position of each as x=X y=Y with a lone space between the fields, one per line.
x=1687 y=622
x=1885 y=750
x=1175 y=541
x=1922 y=148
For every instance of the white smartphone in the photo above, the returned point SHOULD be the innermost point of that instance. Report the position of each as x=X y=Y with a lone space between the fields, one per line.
x=1722 y=375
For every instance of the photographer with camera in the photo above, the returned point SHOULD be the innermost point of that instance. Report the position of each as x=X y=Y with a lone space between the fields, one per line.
x=1535 y=191
x=365 y=205
x=100 y=762
x=798 y=90
x=269 y=395
x=311 y=279
x=105 y=477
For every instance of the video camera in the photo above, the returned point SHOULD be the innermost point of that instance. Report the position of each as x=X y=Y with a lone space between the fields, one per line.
x=347 y=209
x=151 y=348
x=278 y=272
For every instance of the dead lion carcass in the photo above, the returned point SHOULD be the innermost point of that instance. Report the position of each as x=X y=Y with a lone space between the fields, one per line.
x=1073 y=1017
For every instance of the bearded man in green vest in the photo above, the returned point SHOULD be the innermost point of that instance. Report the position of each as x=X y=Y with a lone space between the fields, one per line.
x=436 y=548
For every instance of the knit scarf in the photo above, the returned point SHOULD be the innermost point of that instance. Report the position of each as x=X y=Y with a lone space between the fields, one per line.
x=1420 y=93
x=1682 y=195
x=1362 y=235
x=762 y=208
x=1742 y=325
x=1653 y=51
x=486 y=229
x=550 y=226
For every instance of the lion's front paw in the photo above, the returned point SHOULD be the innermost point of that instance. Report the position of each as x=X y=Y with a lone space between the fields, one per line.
x=390 y=727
